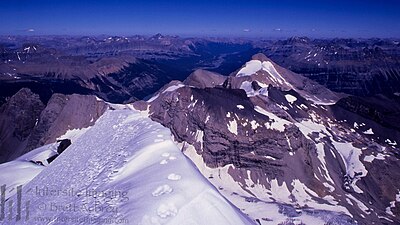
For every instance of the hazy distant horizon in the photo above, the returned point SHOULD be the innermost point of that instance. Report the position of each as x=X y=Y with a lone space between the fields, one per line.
x=193 y=36
x=252 y=19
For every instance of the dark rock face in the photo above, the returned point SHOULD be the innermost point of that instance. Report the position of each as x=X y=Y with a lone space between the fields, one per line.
x=62 y=113
x=224 y=134
x=378 y=113
x=18 y=117
x=378 y=108
x=220 y=146
x=293 y=135
x=27 y=123
x=64 y=144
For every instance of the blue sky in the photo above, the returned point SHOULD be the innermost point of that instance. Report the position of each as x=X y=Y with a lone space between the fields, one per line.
x=252 y=18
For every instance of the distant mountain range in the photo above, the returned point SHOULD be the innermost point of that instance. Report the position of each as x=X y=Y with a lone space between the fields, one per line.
x=274 y=146
x=123 y=69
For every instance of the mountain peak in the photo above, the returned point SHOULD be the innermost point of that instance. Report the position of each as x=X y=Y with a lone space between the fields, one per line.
x=157 y=36
x=261 y=57
x=202 y=78
x=265 y=72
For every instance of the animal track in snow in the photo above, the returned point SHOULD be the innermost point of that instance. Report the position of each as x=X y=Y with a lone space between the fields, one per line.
x=165 y=154
x=167 y=210
x=174 y=176
x=172 y=158
x=163 y=189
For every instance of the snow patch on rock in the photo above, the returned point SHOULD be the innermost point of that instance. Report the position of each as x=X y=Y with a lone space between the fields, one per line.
x=250 y=68
x=275 y=122
x=290 y=98
x=232 y=127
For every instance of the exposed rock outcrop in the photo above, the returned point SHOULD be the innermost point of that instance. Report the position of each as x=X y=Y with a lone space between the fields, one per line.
x=18 y=118
x=62 y=113
x=27 y=123
x=265 y=132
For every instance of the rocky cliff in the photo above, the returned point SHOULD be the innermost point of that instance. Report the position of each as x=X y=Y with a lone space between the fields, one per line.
x=26 y=123
x=261 y=137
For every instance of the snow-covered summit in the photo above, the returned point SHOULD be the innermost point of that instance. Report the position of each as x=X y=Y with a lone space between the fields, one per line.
x=265 y=72
x=254 y=66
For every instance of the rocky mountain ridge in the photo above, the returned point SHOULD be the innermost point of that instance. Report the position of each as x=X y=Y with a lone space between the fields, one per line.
x=282 y=145
x=27 y=123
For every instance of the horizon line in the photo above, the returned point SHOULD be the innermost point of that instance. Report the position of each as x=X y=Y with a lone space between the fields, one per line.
x=199 y=36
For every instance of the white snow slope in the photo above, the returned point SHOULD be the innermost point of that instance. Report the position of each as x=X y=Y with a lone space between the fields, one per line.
x=124 y=170
x=20 y=171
